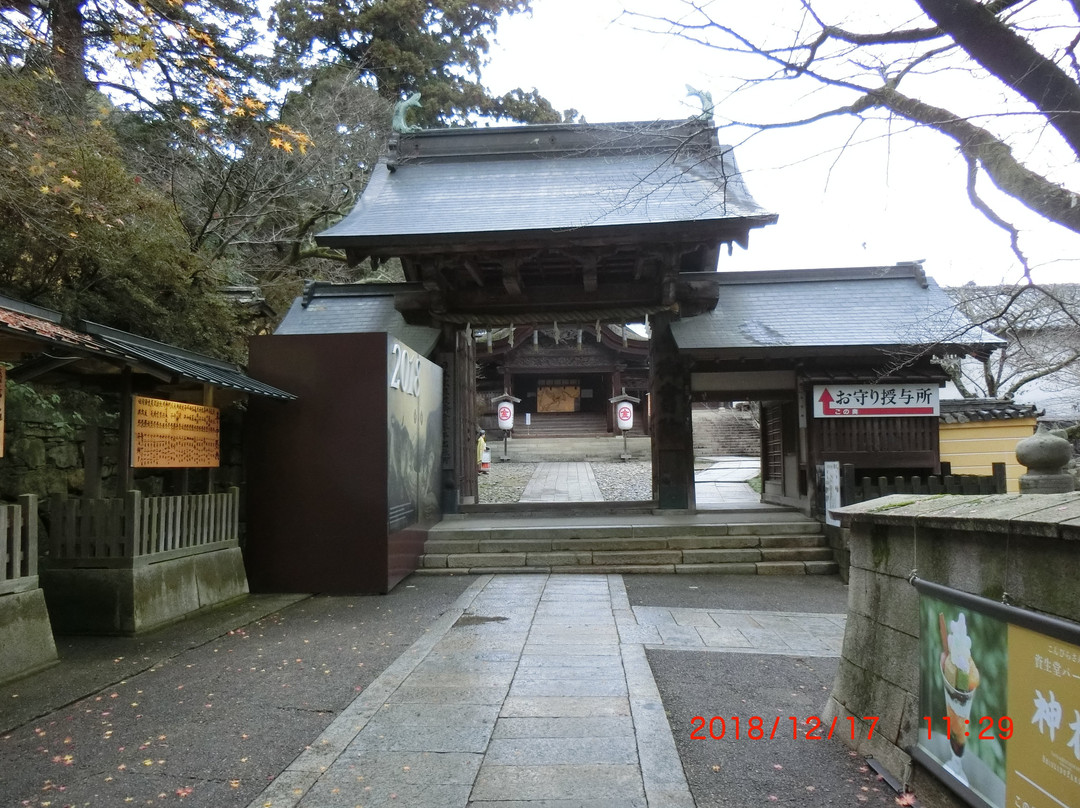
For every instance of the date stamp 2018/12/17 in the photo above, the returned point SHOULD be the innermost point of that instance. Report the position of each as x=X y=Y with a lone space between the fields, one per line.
x=756 y=728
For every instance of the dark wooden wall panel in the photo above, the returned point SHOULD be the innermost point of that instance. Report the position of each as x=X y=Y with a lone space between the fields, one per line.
x=878 y=442
x=317 y=501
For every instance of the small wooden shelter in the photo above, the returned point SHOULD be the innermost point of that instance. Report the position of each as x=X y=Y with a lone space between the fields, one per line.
x=117 y=561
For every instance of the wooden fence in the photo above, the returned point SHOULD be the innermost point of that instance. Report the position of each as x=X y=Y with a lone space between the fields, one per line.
x=19 y=545
x=853 y=489
x=108 y=531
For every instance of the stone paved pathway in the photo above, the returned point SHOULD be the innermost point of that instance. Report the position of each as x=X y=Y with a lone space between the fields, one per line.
x=562 y=482
x=723 y=483
x=531 y=690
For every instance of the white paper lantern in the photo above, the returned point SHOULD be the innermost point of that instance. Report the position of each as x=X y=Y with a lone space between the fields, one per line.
x=624 y=415
x=506 y=415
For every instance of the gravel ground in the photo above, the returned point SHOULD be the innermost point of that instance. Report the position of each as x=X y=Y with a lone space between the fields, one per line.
x=505 y=482
x=618 y=482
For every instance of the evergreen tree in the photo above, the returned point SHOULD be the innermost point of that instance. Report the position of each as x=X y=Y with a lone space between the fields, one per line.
x=81 y=234
x=434 y=47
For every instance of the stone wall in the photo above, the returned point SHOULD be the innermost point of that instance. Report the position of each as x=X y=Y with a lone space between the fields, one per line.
x=52 y=437
x=46 y=432
x=1023 y=545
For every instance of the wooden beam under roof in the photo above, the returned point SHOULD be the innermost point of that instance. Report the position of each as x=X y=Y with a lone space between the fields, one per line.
x=511 y=278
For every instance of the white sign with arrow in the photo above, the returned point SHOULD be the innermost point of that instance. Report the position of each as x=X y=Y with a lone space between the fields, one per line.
x=875 y=400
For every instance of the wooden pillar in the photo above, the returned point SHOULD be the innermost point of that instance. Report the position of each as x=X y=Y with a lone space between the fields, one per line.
x=211 y=473
x=465 y=389
x=125 y=474
x=670 y=420
x=616 y=389
x=457 y=357
x=92 y=462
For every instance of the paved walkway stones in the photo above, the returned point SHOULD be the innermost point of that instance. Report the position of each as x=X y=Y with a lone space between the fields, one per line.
x=533 y=691
x=562 y=482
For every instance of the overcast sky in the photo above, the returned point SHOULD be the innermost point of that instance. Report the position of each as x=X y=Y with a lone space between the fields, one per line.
x=888 y=200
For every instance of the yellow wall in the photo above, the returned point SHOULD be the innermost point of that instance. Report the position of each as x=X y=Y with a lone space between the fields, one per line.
x=973 y=447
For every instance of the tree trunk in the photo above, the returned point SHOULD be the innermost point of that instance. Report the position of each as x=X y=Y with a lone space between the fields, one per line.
x=68 y=46
x=1011 y=58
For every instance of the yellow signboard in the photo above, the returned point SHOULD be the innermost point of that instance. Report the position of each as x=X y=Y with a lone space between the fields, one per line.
x=171 y=434
x=1000 y=701
x=1044 y=686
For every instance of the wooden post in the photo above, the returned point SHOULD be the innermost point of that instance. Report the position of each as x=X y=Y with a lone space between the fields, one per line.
x=29 y=505
x=465 y=391
x=92 y=462
x=847 y=484
x=671 y=422
x=124 y=472
x=133 y=534
x=5 y=548
x=12 y=541
x=211 y=473
x=234 y=513
x=457 y=358
x=1001 y=483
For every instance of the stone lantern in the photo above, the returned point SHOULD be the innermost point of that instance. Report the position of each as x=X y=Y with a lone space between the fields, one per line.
x=1045 y=454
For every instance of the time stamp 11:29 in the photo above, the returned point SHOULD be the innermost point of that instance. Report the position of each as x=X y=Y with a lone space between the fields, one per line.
x=987 y=729
x=757 y=728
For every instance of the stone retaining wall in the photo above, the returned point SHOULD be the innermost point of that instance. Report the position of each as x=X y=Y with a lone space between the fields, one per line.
x=143 y=594
x=1023 y=545
x=26 y=639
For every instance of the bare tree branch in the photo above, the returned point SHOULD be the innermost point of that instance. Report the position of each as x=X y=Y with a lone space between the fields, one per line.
x=1038 y=193
x=1010 y=57
x=989 y=213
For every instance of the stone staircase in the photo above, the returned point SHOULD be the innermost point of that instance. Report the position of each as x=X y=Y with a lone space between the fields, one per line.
x=724 y=431
x=765 y=543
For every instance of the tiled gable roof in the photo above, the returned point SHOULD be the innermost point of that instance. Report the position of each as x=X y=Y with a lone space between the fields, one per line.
x=354 y=309
x=548 y=178
x=790 y=310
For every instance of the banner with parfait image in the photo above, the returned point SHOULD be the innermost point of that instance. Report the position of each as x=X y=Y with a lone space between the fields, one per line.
x=999 y=701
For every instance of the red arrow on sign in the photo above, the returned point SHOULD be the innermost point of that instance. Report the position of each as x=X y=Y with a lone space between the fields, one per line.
x=826 y=400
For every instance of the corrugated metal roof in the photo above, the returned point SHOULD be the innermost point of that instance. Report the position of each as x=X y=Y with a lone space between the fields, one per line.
x=94 y=340
x=177 y=361
x=549 y=178
x=796 y=309
x=350 y=309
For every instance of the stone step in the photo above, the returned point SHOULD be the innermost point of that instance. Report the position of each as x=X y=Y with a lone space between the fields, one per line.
x=547 y=543
x=464 y=529
x=607 y=448
x=745 y=554
x=821 y=567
